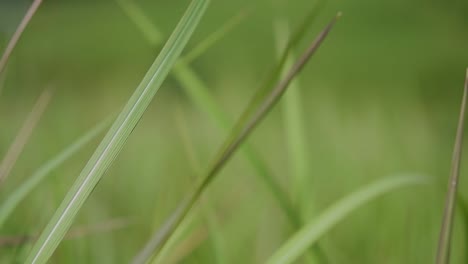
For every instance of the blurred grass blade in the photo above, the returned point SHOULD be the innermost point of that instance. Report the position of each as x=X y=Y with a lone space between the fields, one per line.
x=207 y=209
x=74 y=233
x=115 y=139
x=237 y=136
x=19 y=31
x=443 y=249
x=311 y=232
x=298 y=158
x=12 y=200
x=214 y=37
x=295 y=131
x=24 y=134
x=200 y=95
x=142 y=21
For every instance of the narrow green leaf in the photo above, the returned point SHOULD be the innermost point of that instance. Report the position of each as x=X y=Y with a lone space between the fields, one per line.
x=24 y=134
x=443 y=248
x=115 y=138
x=296 y=143
x=311 y=232
x=19 y=31
x=12 y=200
x=232 y=143
x=294 y=120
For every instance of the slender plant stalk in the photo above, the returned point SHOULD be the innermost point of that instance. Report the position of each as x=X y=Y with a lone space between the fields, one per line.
x=74 y=233
x=297 y=245
x=12 y=200
x=443 y=249
x=19 y=31
x=233 y=141
x=24 y=134
x=115 y=138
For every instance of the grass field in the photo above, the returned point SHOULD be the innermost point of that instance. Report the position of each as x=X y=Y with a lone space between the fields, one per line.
x=379 y=100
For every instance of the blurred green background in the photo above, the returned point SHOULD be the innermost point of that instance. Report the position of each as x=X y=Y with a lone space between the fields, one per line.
x=380 y=98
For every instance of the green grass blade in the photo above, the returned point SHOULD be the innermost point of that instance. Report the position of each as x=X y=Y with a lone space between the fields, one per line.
x=310 y=233
x=214 y=37
x=229 y=147
x=17 y=35
x=199 y=94
x=296 y=143
x=74 y=233
x=443 y=248
x=207 y=209
x=115 y=139
x=24 y=134
x=295 y=131
x=12 y=200
x=143 y=22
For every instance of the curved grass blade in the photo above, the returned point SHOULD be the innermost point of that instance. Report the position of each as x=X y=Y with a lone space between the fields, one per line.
x=443 y=248
x=12 y=200
x=310 y=233
x=115 y=139
x=16 y=36
x=199 y=94
x=24 y=134
x=229 y=147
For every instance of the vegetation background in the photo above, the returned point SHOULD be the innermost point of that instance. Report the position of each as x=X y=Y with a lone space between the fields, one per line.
x=380 y=98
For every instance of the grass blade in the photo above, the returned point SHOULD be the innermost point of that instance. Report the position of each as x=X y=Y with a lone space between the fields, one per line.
x=443 y=248
x=24 y=134
x=74 y=233
x=214 y=37
x=293 y=117
x=237 y=136
x=296 y=143
x=12 y=200
x=310 y=233
x=207 y=209
x=144 y=24
x=199 y=94
x=115 y=138
x=19 y=31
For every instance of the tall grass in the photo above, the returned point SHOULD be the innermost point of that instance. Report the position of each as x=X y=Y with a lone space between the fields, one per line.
x=16 y=36
x=115 y=138
x=23 y=135
x=199 y=93
x=443 y=249
x=254 y=113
